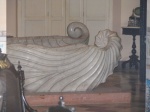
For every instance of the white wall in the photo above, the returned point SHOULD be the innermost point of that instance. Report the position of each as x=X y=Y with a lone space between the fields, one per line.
x=3 y=26
x=148 y=36
x=148 y=56
x=2 y=15
x=117 y=16
x=126 y=10
x=148 y=13
x=11 y=17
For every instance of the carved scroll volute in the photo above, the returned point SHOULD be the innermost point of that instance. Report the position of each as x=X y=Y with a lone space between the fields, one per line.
x=77 y=30
x=104 y=39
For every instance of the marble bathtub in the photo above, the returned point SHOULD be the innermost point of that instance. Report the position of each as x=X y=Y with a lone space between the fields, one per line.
x=70 y=68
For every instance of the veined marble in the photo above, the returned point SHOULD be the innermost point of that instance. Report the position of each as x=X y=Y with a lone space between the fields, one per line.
x=77 y=33
x=71 y=68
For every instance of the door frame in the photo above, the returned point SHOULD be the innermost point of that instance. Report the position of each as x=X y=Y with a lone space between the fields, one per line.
x=143 y=16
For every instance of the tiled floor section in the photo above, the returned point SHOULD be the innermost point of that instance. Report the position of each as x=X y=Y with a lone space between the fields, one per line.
x=125 y=81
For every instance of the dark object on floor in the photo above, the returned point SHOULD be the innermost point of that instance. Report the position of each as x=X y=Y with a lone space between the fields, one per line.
x=58 y=109
x=61 y=107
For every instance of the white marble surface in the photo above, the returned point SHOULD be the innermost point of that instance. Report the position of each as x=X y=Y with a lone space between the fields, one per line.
x=77 y=67
x=77 y=30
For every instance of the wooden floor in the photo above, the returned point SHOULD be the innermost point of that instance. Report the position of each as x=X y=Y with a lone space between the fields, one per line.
x=120 y=81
